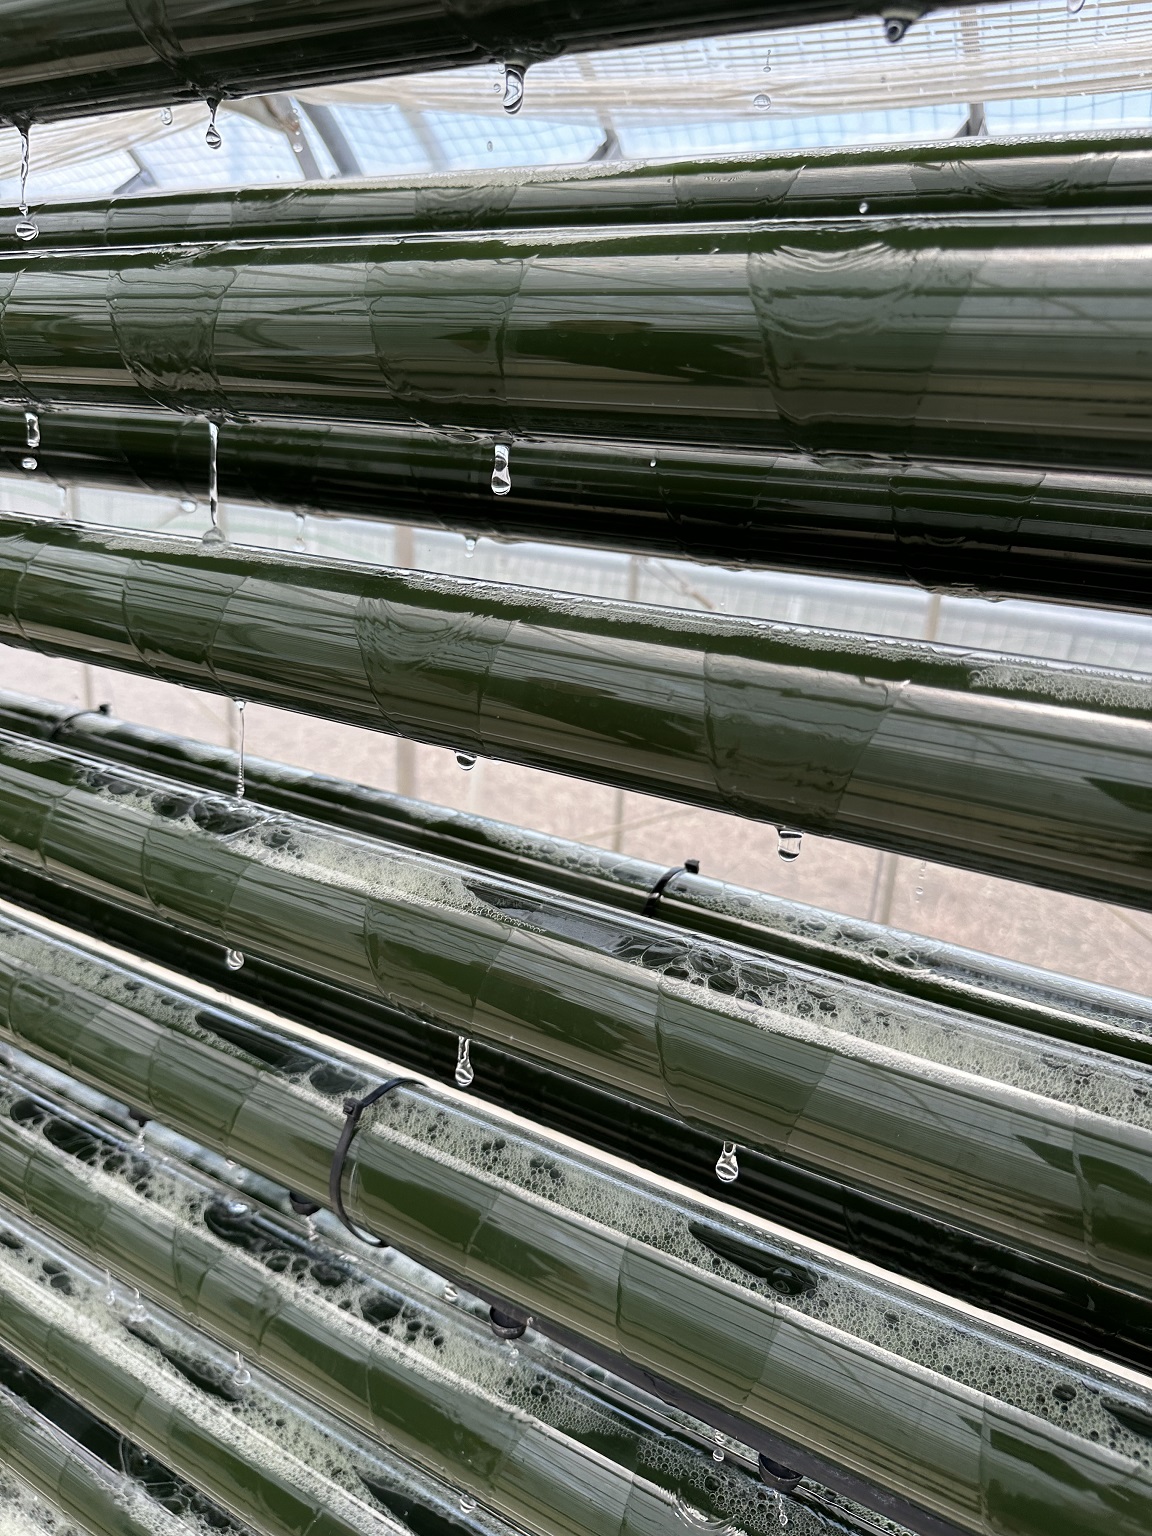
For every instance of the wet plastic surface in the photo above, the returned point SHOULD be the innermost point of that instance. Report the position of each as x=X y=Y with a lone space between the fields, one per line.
x=943 y=1408
x=1036 y=771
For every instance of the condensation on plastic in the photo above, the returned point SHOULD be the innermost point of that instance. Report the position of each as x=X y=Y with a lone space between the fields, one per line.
x=943 y=1407
x=1087 y=1014
x=954 y=1114
x=260 y=1451
x=425 y=1377
x=1036 y=771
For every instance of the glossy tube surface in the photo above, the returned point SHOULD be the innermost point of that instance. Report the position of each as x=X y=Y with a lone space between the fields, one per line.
x=947 y=1410
x=1083 y=537
x=260 y=1451
x=1087 y=171
x=1067 y=1008
x=426 y=1377
x=997 y=338
x=65 y=60
x=1037 y=771
x=958 y=1116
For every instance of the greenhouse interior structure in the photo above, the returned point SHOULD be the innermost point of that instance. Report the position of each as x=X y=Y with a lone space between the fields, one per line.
x=576 y=768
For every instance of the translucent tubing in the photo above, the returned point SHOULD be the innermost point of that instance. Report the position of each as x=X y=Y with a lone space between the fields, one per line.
x=425 y=1376
x=1079 y=536
x=812 y=337
x=956 y=1115
x=256 y=1448
x=1079 y=1011
x=1037 y=771
x=1093 y=170
x=963 y=1422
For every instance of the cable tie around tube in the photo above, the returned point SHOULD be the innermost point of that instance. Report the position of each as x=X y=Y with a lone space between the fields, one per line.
x=100 y=709
x=353 y=1109
x=689 y=866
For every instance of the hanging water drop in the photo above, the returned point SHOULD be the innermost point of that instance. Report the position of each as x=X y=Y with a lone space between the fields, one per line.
x=166 y=116
x=26 y=228
x=727 y=1168
x=489 y=146
x=239 y=703
x=212 y=135
x=783 y=1513
x=467 y=1504
x=501 y=470
x=717 y=1455
x=469 y=547
x=32 y=429
x=788 y=843
x=28 y=462
x=109 y=1289
x=464 y=1069
x=513 y=87
x=762 y=102
x=863 y=207
x=767 y=63
x=215 y=534
x=233 y=959
x=241 y=1376
x=466 y=760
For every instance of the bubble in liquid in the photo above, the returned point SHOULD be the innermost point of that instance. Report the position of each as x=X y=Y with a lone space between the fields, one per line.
x=762 y=102
x=28 y=462
x=513 y=88
x=788 y=843
x=727 y=1168
x=465 y=1072
x=501 y=470
x=233 y=959
x=166 y=116
x=466 y=760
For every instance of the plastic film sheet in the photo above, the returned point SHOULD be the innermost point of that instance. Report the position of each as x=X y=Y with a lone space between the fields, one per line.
x=1015 y=339
x=1079 y=1011
x=425 y=1376
x=942 y=1110
x=1033 y=770
x=946 y=1409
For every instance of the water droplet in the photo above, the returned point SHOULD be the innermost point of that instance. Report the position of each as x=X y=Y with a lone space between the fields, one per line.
x=28 y=462
x=489 y=146
x=783 y=1513
x=895 y=27
x=187 y=504
x=26 y=230
x=727 y=1168
x=212 y=135
x=166 y=116
x=467 y=1504
x=137 y=1313
x=32 y=429
x=297 y=145
x=109 y=1289
x=863 y=207
x=717 y=1455
x=213 y=537
x=213 y=476
x=501 y=470
x=762 y=102
x=239 y=703
x=233 y=959
x=767 y=63
x=464 y=1069
x=513 y=87
x=300 y=542
x=469 y=547
x=788 y=843
x=241 y=1376
x=451 y=1293
x=651 y=463
x=1075 y=7
x=466 y=760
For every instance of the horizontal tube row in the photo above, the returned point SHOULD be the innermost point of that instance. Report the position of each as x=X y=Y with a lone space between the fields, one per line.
x=1070 y=1009
x=986 y=338
x=256 y=1449
x=1033 y=770
x=425 y=1376
x=998 y=529
x=117 y=55
x=1094 y=170
x=956 y=1115
x=972 y=1423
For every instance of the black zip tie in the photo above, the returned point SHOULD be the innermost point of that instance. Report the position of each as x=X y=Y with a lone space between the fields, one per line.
x=691 y=866
x=100 y=709
x=354 y=1108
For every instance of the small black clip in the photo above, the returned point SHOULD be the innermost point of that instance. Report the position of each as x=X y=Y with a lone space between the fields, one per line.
x=301 y=1204
x=138 y=1117
x=101 y=709
x=354 y=1108
x=778 y=1476
x=506 y=1325
x=691 y=866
